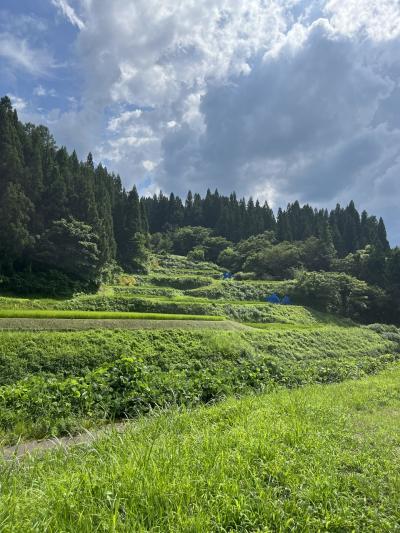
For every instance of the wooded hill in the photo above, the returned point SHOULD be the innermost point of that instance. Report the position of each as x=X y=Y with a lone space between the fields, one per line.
x=66 y=223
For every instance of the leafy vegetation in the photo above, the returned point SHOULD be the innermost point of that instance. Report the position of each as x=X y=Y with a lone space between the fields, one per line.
x=71 y=380
x=314 y=459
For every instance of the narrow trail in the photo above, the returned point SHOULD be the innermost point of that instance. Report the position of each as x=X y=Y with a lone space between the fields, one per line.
x=72 y=324
x=32 y=447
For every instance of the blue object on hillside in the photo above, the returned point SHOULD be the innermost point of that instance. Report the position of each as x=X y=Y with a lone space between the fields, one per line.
x=227 y=275
x=286 y=300
x=273 y=299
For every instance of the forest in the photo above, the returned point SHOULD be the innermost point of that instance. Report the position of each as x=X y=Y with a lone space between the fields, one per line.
x=67 y=225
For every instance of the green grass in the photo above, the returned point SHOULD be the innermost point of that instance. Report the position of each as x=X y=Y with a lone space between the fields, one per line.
x=53 y=383
x=320 y=458
x=52 y=313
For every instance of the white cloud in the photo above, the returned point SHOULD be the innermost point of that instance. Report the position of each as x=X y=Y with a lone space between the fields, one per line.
x=149 y=165
x=69 y=13
x=282 y=98
x=42 y=91
x=18 y=103
x=116 y=123
x=378 y=19
x=19 y=53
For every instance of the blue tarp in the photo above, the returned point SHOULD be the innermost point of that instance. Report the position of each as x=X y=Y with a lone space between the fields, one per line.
x=273 y=299
x=227 y=275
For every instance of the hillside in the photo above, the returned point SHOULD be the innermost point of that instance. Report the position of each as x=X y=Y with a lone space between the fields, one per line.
x=228 y=347
x=56 y=382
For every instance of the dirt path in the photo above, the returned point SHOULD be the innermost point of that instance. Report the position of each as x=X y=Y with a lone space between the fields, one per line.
x=39 y=446
x=71 y=324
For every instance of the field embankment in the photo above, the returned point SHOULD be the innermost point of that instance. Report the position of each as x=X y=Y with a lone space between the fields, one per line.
x=52 y=383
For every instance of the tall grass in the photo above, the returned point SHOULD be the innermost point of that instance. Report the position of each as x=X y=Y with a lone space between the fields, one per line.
x=57 y=383
x=315 y=459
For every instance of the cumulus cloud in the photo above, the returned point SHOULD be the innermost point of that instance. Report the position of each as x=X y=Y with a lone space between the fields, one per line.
x=282 y=99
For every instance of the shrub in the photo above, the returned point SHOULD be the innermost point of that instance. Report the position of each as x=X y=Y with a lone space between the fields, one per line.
x=196 y=255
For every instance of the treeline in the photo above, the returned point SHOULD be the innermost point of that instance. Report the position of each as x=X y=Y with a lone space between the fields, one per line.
x=234 y=219
x=58 y=215
x=66 y=224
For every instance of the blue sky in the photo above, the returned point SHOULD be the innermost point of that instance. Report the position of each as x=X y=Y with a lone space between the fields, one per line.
x=279 y=99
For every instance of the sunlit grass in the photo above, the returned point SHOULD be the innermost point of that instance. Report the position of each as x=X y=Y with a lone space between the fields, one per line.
x=321 y=458
x=53 y=313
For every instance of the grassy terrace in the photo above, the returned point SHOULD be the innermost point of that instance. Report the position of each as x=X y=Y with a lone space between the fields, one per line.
x=320 y=458
x=53 y=383
x=99 y=315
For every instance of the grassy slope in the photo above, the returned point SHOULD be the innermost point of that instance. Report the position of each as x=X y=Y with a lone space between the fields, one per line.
x=321 y=458
x=66 y=354
x=246 y=311
x=53 y=383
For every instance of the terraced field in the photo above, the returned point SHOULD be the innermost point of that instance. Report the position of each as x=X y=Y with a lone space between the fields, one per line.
x=97 y=359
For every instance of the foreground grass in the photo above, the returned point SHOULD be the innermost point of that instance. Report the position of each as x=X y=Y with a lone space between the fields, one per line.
x=321 y=458
x=100 y=315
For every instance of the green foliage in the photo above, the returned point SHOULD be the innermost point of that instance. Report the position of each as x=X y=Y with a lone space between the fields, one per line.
x=283 y=259
x=314 y=459
x=242 y=290
x=50 y=283
x=177 y=266
x=15 y=213
x=214 y=246
x=104 y=375
x=339 y=293
x=187 y=238
x=196 y=255
x=230 y=259
x=71 y=246
x=99 y=315
x=180 y=282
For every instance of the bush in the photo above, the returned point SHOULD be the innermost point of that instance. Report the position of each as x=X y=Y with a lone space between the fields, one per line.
x=196 y=255
x=341 y=294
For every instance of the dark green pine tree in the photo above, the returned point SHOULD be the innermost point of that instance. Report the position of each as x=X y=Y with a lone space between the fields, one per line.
x=224 y=224
x=269 y=218
x=130 y=247
x=54 y=204
x=352 y=229
x=382 y=236
x=106 y=243
x=369 y=226
x=197 y=211
x=283 y=230
x=33 y=180
x=143 y=217
x=15 y=238
x=189 y=218
x=259 y=226
x=11 y=156
x=211 y=208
